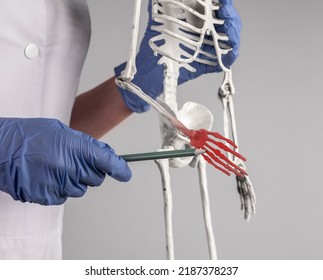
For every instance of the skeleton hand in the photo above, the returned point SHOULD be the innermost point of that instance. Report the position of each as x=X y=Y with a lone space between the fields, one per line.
x=150 y=74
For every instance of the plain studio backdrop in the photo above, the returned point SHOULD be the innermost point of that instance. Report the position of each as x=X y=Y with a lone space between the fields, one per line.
x=278 y=79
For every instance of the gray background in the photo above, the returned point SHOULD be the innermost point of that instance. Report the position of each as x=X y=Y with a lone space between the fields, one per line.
x=278 y=78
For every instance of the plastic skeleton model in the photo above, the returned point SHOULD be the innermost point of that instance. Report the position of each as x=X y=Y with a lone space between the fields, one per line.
x=184 y=27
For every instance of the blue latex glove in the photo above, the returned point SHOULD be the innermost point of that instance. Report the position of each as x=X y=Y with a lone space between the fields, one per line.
x=150 y=75
x=43 y=161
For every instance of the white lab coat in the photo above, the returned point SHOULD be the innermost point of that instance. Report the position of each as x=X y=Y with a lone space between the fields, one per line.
x=43 y=44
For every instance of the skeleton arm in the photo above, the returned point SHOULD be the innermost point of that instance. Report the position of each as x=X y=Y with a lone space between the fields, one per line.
x=244 y=184
x=131 y=69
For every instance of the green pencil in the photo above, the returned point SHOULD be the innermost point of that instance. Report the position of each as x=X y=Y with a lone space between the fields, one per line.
x=163 y=154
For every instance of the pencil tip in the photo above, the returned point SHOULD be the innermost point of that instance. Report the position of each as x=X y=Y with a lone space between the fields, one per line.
x=199 y=152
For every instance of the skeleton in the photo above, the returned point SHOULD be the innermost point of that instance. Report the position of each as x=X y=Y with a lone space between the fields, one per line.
x=185 y=27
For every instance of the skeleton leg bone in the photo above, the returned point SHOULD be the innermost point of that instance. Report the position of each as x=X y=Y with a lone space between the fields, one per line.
x=201 y=165
x=163 y=165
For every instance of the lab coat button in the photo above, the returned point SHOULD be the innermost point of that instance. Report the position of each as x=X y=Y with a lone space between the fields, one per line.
x=31 y=51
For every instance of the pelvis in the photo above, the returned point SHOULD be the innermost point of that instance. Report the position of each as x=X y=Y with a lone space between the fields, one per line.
x=193 y=116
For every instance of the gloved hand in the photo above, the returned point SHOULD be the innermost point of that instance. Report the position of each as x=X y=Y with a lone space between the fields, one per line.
x=43 y=161
x=150 y=75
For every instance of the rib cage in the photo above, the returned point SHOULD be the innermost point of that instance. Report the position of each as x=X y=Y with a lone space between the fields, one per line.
x=186 y=27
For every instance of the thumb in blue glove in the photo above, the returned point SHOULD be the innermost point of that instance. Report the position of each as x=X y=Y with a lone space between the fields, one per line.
x=43 y=161
x=150 y=75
